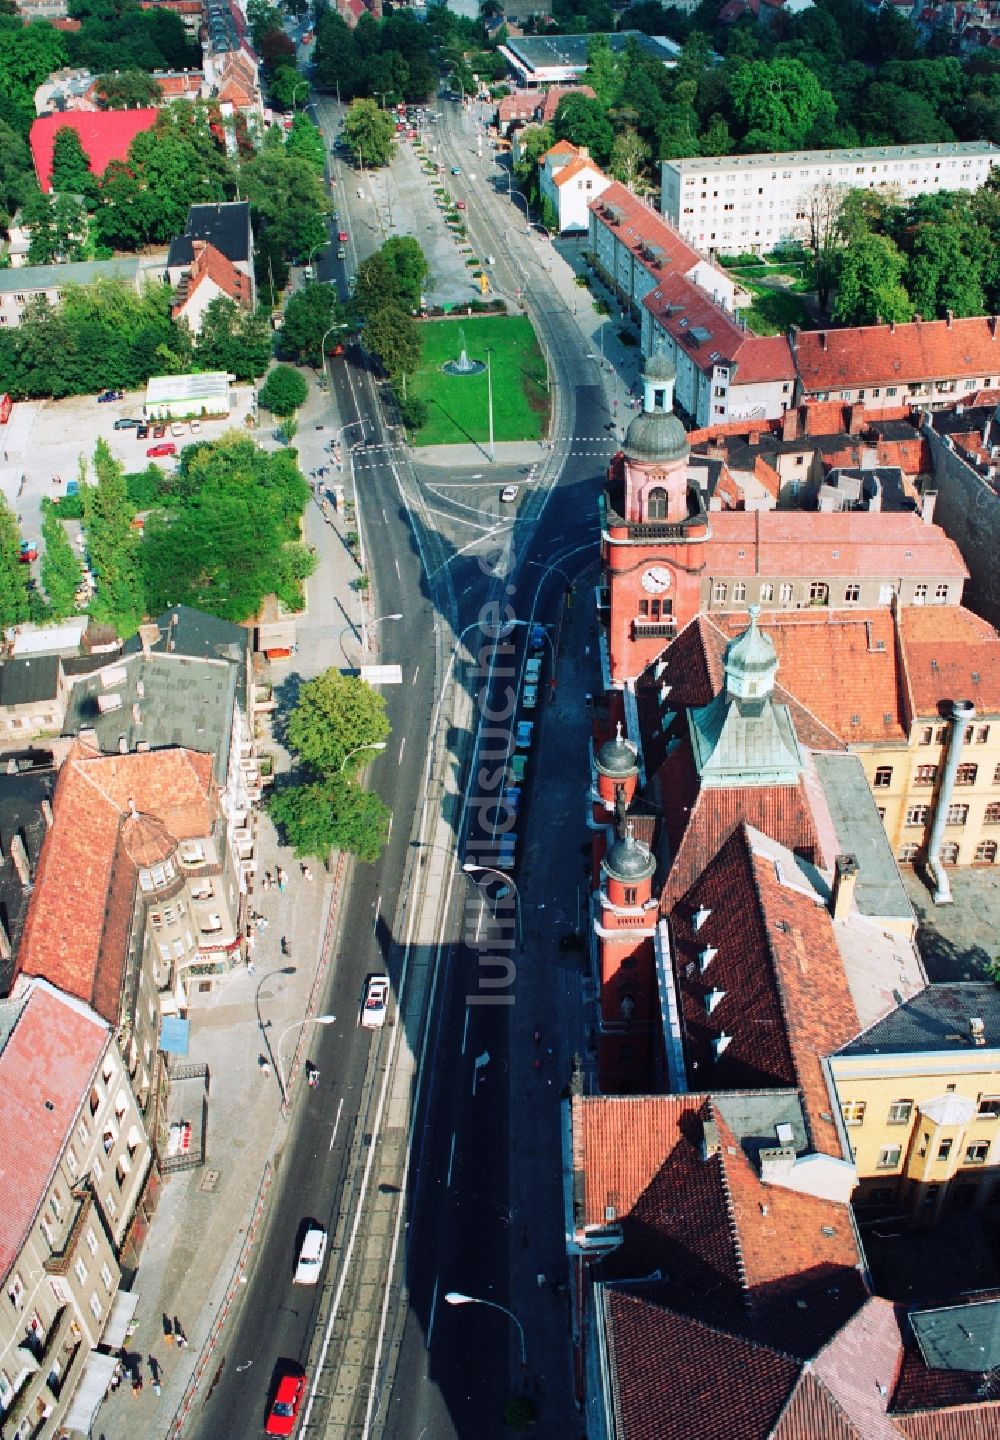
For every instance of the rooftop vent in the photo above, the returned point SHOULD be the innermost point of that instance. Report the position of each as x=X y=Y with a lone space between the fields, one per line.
x=977 y=1031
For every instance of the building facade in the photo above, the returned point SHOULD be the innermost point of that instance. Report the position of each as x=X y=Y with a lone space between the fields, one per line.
x=732 y=204
x=569 y=181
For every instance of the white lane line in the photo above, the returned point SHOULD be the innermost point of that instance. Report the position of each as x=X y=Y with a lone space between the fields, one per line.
x=465 y=1029
x=378 y=907
x=402 y=746
x=336 y=1124
x=430 y=1327
x=415 y=674
x=398 y=576
x=451 y=1159
x=389 y=832
x=384 y=520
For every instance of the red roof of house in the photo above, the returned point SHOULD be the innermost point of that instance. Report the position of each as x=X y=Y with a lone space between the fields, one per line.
x=211 y=267
x=885 y=355
x=712 y=335
x=80 y=914
x=520 y=105
x=104 y=134
x=636 y=225
x=555 y=93
x=949 y=654
x=47 y=1064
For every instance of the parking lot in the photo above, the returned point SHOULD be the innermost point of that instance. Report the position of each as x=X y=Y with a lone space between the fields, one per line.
x=44 y=441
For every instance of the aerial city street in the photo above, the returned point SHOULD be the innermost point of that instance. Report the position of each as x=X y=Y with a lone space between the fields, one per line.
x=500 y=720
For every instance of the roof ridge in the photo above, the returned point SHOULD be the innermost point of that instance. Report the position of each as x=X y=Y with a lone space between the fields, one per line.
x=734 y=1229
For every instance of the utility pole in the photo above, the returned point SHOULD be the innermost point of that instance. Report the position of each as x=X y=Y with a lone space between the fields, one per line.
x=489 y=395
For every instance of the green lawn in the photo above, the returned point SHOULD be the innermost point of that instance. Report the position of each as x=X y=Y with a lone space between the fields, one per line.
x=773 y=311
x=458 y=405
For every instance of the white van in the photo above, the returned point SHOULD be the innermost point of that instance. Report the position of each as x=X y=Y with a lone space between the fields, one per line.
x=311 y=1255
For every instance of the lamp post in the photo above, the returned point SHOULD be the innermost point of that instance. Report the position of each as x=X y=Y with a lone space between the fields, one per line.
x=262 y=1024
x=489 y=398
x=455 y=1297
x=516 y=195
x=322 y=344
x=295 y=1025
x=373 y=745
x=296 y=88
x=471 y=869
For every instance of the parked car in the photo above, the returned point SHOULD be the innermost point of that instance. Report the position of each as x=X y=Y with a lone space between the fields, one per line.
x=195 y=427
x=455 y=170
x=29 y=551
x=159 y=431
x=287 y=1402
x=342 y=236
x=341 y=253
x=309 y=272
x=177 y=428
x=508 y=852
x=167 y=449
x=508 y=494
x=126 y=424
x=311 y=1253
x=108 y=395
x=516 y=769
x=522 y=737
x=538 y=637
x=459 y=204
x=142 y=433
x=375 y=1005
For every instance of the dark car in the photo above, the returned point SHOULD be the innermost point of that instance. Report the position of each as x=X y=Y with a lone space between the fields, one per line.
x=107 y=395
x=159 y=431
x=142 y=432
x=126 y=424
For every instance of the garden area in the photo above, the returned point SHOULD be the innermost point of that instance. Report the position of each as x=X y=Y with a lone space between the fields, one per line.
x=457 y=405
x=778 y=283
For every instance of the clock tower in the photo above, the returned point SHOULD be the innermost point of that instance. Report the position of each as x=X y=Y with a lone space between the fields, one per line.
x=653 y=522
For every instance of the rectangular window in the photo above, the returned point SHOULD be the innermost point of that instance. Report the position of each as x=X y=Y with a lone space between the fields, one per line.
x=926 y=775
x=819 y=592
x=15 y=1291
x=888 y=1157
x=739 y=591
x=908 y=853
x=982 y=734
x=106 y=1279
x=785 y=594
x=852 y=593
x=81 y=1271
x=883 y=777
x=917 y=814
x=957 y=814
x=944 y=1149
x=854 y=1112
x=977 y=1153
x=630 y=896
x=926 y=735
x=992 y=815
x=920 y=594
x=91 y=1241
x=719 y=592
x=966 y=774
x=988 y=1107
x=900 y=1112
x=766 y=593
x=941 y=595
x=95 y=1306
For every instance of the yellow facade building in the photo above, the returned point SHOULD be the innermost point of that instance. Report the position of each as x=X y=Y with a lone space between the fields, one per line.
x=919 y=1092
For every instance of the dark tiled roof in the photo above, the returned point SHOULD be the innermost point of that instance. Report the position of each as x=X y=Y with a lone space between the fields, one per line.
x=935 y=1020
x=24 y=681
x=21 y=815
x=185 y=630
x=226 y=226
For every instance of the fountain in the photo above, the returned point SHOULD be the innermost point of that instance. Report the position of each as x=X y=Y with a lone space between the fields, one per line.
x=463 y=365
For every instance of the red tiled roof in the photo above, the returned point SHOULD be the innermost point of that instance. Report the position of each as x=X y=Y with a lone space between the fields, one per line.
x=855 y=1373
x=949 y=654
x=555 y=93
x=640 y=226
x=104 y=134
x=211 y=266
x=46 y=1067
x=518 y=106
x=683 y=308
x=578 y=164
x=785 y=1003
x=561 y=147
x=880 y=354
x=78 y=921
x=180 y=82
x=842 y=665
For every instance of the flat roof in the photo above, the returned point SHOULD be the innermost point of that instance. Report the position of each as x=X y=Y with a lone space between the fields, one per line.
x=542 y=52
x=878 y=889
x=860 y=154
x=82 y=272
x=164 y=388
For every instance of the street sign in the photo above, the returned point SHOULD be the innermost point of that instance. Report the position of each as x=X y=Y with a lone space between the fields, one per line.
x=382 y=674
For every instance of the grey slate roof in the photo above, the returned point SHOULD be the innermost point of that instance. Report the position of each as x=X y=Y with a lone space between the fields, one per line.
x=79 y=272
x=936 y=1020
x=959 y=1337
x=182 y=701
x=538 y=52
x=187 y=631
x=21 y=815
x=878 y=889
x=24 y=681
x=226 y=226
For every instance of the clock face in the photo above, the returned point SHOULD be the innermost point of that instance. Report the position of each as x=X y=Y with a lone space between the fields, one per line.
x=656 y=580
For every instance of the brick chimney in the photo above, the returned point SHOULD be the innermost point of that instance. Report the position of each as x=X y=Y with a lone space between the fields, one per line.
x=790 y=424
x=950 y=317
x=845 y=874
x=855 y=418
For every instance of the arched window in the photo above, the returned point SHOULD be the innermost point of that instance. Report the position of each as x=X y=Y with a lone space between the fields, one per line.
x=656 y=503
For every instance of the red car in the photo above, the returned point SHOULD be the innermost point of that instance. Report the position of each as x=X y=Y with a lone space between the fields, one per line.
x=167 y=449
x=284 y=1411
x=335 y=349
x=342 y=236
x=29 y=552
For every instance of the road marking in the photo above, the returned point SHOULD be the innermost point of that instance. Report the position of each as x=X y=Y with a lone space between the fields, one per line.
x=384 y=520
x=389 y=831
x=465 y=1029
x=336 y=1123
x=430 y=1327
x=451 y=1159
x=415 y=674
x=402 y=745
x=378 y=907
x=398 y=576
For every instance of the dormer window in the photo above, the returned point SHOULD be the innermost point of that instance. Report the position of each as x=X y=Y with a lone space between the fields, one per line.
x=699 y=917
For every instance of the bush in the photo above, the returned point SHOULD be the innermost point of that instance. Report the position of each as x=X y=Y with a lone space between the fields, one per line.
x=414 y=412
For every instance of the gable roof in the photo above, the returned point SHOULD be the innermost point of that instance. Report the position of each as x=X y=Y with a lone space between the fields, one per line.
x=637 y=226
x=576 y=166
x=50 y=1047
x=226 y=226
x=712 y=335
x=923 y=350
x=949 y=654
x=78 y=922
x=104 y=134
x=555 y=93
x=210 y=267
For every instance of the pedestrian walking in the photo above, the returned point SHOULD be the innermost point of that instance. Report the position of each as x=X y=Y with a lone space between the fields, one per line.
x=168 y=1329
x=249 y=963
x=307 y=874
x=154 y=1372
x=282 y=879
x=179 y=1335
x=267 y=880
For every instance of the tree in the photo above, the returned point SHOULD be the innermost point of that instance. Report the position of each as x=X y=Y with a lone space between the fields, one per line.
x=180 y=163
x=583 y=121
x=782 y=105
x=309 y=314
x=13 y=575
x=335 y=717
x=394 y=336
x=602 y=70
x=112 y=545
x=127 y=90
x=58 y=225
x=17 y=178
x=285 y=85
x=368 y=133
x=306 y=141
x=61 y=568
x=331 y=814
x=284 y=391
x=870 y=287
x=234 y=338
x=288 y=198
x=375 y=285
x=628 y=155
x=28 y=54
x=408 y=263
x=126 y=215
x=942 y=276
x=824 y=205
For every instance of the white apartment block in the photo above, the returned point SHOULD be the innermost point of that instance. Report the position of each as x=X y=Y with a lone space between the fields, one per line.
x=735 y=204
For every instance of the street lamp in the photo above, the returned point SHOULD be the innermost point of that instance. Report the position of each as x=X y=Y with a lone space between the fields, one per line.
x=295 y=1025
x=262 y=1024
x=455 y=1297
x=516 y=195
x=373 y=745
x=296 y=88
x=489 y=396
x=322 y=344
x=471 y=869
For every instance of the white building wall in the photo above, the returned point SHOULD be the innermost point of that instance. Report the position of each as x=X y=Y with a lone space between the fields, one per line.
x=736 y=203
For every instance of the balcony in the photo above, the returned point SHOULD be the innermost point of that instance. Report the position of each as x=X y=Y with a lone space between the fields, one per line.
x=651 y=531
x=654 y=629
x=263 y=698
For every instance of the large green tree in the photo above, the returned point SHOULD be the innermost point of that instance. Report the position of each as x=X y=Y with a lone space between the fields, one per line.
x=583 y=121
x=368 y=133
x=335 y=717
x=394 y=336
x=234 y=338
x=408 y=263
x=13 y=575
x=112 y=545
x=871 y=286
x=306 y=141
x=127 y=90
x=71 y=172
x=331 y=814
x=781 y=104
x=288 y=199
x=61 y=568
x=309 y=314
x=17 y=176
x=284 y=391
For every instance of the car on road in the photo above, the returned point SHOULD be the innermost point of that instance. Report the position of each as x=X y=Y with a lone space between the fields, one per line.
x=311 y=1253
x=142 y=432
x=287 y=1402
x=337 y=349
x=108 y=395
x=508 y=852
x=341 y=253
x=126 y=424
x=159 y=431
x=455 y=170
x=538 y=638
x=29 y=551
x=508 y=494
x=522 y=737
x=309 y=272
x=516 y=768
x=169 y=448
x=342 y=237
x=375 y=1005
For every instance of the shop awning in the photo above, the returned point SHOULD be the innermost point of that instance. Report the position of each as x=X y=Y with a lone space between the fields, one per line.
x=116 y=1330
x=174 y=1034
x=94 y=1381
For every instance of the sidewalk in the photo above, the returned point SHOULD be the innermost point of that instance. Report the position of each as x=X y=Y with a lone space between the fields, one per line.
x=198 y=1238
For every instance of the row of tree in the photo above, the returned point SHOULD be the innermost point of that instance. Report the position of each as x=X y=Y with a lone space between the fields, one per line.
x=108 y=334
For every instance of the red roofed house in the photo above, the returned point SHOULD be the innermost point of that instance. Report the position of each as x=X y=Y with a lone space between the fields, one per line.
x=667 y=558
x=569 y=181
x=930 y=363
x=104 y=134
x=211 y=277
x=76 y=1157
